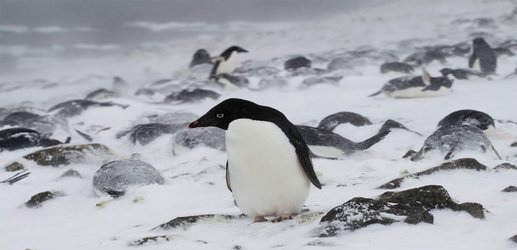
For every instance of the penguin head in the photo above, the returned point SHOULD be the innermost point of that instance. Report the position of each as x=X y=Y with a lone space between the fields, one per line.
x=227 y=111
x=233 y=49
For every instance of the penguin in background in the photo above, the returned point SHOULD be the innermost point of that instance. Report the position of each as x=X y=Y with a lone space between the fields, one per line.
x=483 y=57
x=226 y=62
x=269 y=169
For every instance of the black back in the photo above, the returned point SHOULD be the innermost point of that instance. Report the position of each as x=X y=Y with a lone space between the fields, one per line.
x=467 y=116
x=232 y=109
x=225 y=55
x=485 y=54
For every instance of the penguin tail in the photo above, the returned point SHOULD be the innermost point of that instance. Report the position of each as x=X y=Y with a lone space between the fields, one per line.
x=376 y=93
x=373 y=140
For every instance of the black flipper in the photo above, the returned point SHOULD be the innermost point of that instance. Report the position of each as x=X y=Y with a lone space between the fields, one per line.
x=302 y=151
x=372 y=140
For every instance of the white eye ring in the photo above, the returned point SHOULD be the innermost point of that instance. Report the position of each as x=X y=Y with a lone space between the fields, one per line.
x=220 y=115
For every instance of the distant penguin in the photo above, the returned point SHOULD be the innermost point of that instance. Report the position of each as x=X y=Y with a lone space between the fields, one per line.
x=483 y=57
x=396 y=67
x=200 y=57
x=416 y=86
x=451 y=139
x=227 y=61
x=269 y=169
x=467 y=117
x=461 y=74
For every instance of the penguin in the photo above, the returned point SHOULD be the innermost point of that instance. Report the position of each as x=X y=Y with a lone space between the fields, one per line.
x=416 y=86
x=330 y=122
x=18 y=138
x=269 y=168
x=468 y=117
x=461 y=74
x=483 y=56
x=227 y=61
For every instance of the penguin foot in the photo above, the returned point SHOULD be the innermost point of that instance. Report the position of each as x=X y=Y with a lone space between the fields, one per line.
x=282 y=217
x=259 y=219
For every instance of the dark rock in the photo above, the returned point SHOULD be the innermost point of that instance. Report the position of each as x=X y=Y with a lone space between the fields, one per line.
x=68 y=154
x=187 y=221
x=100 y=94
x=201 y=56
x=505 y=165
x=339 y=63
x=154 y=239
x=71 y=173
x=413 y=204
x=116 y=176
x=15 y=166
x=502 y=51
x=465 y=163
x=209 y=137
x=451 y=139
x=514 y=238
x=426 y=57
x=38 y=199
x=145 y=92
x=332 y=121
x=467 y=117
x=146 y=133
x=514 y=144
x=191 y=95
x=19 y=138
x=396 y=67
x=297 y=63
x=258 y=71
x=76 y=107
x=510 y=189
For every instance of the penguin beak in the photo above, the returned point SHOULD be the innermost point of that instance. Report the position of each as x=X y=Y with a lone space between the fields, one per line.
x=194 y=124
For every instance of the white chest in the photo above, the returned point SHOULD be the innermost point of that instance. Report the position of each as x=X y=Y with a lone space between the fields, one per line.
x=228 y=66
x=265 y=174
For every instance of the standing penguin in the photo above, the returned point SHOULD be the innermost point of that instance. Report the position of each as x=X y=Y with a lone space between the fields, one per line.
x=227 y=61
x=269 y=169
x=483 y=57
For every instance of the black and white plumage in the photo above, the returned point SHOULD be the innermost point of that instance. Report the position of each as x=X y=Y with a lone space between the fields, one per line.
x=227 y=61
x=461 y=74
x=269 y=169
x=467 y=117
x=451 y=139
x=483 y=57
x=416 y=86
x=18 y=138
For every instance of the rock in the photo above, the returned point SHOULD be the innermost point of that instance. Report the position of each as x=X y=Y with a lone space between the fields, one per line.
x=514 y=238
x=191 y=95
x=154 y=239
x=332 y=121
x=38 y=199
x=209 y=137
x=187 y=221
x=201 y=56
x=42 y=123
x=396 y=67
x=509 y=189
x=502 y=51
x=18 y=138
x=69 y=154
x=15 y=166
x=258 y=71
x=274 y=82
x=505 y=165
x=317 y=80
x=297 y=63
x=116 y=176
x=467 y=117
x=410 y=206
x=227 y=80
x=339 y=63
x=426 y=57
x=146 y=133
x=514 y=144
x=465 y=163
x=71 y=173
x=451 y=139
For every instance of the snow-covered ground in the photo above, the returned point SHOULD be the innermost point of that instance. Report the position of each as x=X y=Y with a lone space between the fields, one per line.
x=195 y=179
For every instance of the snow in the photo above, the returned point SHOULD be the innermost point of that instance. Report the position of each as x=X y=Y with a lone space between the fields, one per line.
x=195 y=179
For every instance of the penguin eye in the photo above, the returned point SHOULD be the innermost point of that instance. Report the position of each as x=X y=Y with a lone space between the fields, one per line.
x=220 y=115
